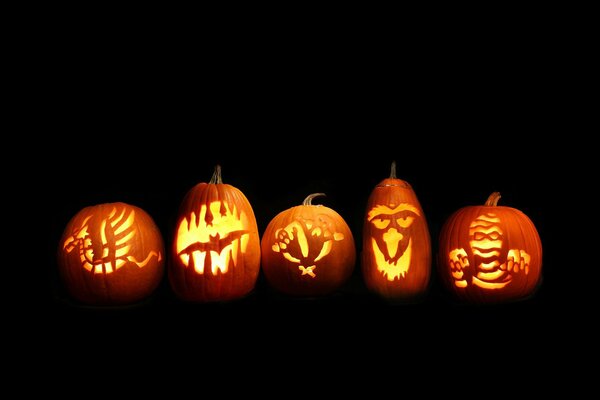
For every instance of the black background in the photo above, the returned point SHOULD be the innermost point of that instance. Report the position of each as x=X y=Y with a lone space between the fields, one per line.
x=138 y=128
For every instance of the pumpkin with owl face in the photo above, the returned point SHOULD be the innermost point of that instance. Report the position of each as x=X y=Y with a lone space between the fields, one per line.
x=308 y=250
x=396 y=253
x=215 y=254
x=111 y=254
x=490 y=254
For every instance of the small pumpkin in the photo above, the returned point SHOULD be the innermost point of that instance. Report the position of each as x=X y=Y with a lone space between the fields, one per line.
x=490 y=253
x=111 y=254
x=215 y=254
x=396 y=251
x=308 y=250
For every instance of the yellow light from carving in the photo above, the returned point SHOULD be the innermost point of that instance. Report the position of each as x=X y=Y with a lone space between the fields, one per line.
x=392 y=270
x=197 y=230
x=123 y=233
x=298 y=231
x=381 y=217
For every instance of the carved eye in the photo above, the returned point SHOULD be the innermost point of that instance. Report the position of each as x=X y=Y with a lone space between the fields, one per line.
x=381 y=223
x=479 y=236
x=82 y=233
x=405 y=222
x=494 y=236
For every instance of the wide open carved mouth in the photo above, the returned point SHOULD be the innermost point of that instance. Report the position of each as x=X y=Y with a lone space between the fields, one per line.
x=212 y=241
x=218 y=254
x=392 y=269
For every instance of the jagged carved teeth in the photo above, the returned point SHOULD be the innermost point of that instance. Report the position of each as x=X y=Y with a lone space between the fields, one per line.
x=211 y=260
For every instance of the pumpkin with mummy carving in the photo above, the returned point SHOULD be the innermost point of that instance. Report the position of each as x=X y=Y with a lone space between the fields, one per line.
x=490 y=253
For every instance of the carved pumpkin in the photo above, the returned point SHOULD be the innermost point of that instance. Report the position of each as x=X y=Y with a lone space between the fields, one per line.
x=490 y=254
x=396 y=252
x=215 y=254
x=308 y=250
x=111 y=254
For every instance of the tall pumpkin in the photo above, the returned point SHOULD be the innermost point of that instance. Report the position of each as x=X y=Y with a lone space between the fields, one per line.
x=215 y=254
x=490 y=254
x=308 y=250
x=111 y=254
x=396 y=251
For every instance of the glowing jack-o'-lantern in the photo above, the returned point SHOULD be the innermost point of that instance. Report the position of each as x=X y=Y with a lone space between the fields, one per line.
x=396 y=253
x=308 y=250
x=490 y=253
x=216 y=249
x=111 y=254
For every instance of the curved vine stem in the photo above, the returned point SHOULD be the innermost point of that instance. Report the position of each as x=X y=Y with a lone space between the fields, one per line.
x=308 y=201
x=492 y=201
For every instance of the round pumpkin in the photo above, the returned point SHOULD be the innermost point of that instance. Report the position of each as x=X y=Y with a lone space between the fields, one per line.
x=111 y=254
x=490 y=253
x=396 y=251
x=215 y=254
x=308 y=250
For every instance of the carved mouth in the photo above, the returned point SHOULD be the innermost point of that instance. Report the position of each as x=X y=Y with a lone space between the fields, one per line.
x=392 y=270
x=219 y=254
x=219 y=262
x=212 y=241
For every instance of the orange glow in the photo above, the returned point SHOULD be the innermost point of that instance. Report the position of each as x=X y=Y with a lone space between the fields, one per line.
x=308 y=271
x=293 y=242
x=392 y=239
x=394 y=222
x=486 y=240
x=113 y=237
x=212 y=240
x=394 y=270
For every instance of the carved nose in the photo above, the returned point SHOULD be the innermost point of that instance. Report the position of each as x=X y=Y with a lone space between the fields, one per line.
x=392 y=239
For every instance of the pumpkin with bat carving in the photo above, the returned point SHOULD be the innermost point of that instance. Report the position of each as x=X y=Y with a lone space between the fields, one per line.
x=490 y=253
x=308 y=250
x=111 y=254
x=396 y=251
x=215 y=254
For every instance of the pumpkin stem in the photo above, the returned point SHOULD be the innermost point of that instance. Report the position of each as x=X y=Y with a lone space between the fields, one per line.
x=393 y=170
x=308 y=201
x=492 y=201
x=216 y=178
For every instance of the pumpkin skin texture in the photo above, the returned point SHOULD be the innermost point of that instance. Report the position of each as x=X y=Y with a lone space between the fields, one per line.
x=396 y=251
x=308 y=250
x=490 y=254
x=215 y=255
x=111 y=254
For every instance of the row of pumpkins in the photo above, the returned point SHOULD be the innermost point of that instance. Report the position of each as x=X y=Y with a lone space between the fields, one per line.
x=114 y=253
